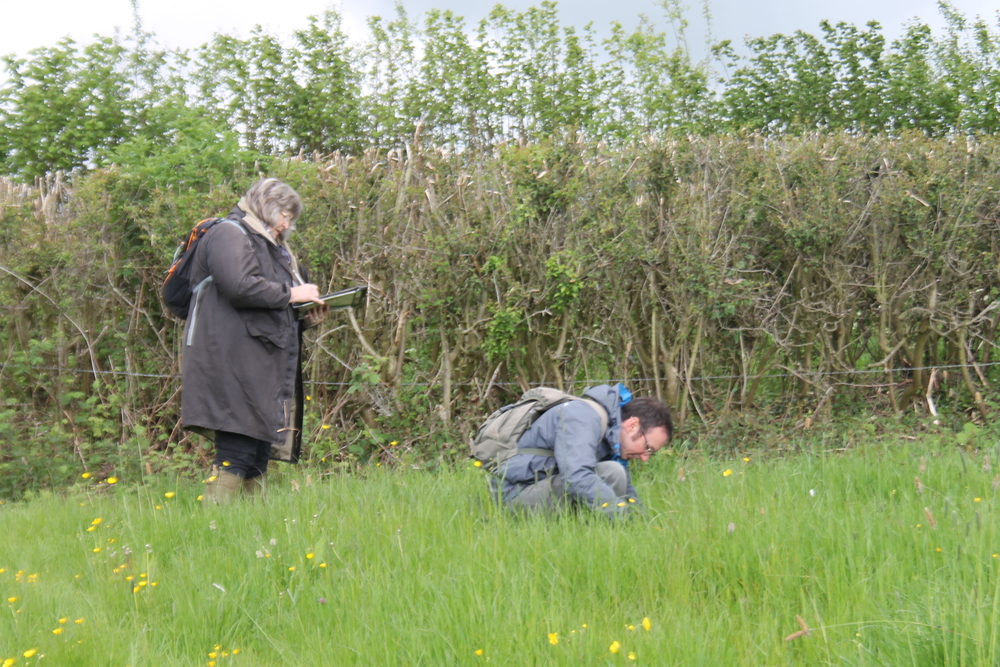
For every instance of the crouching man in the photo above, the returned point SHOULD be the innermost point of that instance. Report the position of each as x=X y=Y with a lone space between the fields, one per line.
x=577 y=453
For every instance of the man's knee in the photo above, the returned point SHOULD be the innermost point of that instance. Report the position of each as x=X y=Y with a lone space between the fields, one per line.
x=614 y=475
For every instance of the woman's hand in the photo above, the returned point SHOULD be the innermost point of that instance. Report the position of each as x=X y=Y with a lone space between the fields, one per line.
x=316 y=315
x=305 y=293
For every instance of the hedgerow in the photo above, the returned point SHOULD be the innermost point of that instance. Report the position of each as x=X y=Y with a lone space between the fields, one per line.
x=799 y=279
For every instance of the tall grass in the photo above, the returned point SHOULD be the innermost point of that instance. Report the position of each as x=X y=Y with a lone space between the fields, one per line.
x=410 y=568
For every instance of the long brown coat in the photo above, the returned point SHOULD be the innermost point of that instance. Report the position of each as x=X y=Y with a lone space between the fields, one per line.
x=241 y=363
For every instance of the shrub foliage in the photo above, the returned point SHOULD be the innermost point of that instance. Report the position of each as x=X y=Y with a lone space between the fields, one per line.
x=514 y=77
x=811 y=276
x=805 y=231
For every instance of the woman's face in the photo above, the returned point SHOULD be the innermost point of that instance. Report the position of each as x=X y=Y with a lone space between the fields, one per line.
x=284 y=221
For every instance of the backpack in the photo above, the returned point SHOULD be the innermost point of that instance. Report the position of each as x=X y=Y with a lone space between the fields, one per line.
x=496 y=440
x=176 y=288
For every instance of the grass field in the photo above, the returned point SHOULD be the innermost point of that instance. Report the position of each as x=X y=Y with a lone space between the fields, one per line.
x=412 y=568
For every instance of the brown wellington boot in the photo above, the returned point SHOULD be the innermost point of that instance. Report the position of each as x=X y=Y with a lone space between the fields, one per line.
x=222 y=488
x=256 y=487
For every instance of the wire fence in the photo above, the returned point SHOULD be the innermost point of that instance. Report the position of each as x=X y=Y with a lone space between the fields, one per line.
x=694 y=378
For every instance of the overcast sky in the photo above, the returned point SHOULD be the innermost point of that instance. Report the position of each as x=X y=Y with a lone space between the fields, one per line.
x=190 y=23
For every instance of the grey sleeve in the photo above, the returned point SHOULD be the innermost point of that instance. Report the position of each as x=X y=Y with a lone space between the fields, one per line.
x=578 y=434
x=237 y=274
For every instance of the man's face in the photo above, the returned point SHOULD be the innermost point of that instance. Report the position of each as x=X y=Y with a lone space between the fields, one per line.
x=638 y=445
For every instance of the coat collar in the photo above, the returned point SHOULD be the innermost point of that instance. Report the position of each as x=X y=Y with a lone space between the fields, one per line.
x=255 y=223
x=607 y=396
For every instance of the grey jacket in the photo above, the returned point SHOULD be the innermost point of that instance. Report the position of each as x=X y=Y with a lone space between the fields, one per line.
x=573 y=431
x=241 y=352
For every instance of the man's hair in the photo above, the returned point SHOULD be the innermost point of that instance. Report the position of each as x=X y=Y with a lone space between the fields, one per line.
x=651 y=413
x=269 y=197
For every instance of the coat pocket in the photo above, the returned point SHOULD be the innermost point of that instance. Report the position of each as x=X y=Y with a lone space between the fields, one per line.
x=269 y=326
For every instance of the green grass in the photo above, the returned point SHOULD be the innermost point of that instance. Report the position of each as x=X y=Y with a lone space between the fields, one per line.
x=420 y=569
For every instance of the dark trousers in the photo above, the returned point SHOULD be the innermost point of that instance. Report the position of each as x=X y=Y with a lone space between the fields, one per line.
x=241 y=455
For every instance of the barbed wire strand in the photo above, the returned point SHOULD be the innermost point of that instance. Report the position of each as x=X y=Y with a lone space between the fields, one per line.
x=697 y=378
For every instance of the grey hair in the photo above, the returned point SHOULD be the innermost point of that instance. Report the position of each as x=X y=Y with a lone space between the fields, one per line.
x=269 y=197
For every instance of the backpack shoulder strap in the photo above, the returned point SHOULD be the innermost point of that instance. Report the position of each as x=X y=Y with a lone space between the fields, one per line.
x=236 y=224
x=601 y=412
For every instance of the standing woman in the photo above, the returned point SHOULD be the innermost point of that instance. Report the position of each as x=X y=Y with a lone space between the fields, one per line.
x=242 y=360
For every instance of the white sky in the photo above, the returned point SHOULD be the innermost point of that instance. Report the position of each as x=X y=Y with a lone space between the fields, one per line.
x=189 y=23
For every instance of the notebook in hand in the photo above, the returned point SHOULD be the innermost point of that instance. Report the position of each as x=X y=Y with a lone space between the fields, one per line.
x=346 y=298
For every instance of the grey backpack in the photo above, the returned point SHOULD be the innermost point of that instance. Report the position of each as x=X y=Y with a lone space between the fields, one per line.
x=496 y=440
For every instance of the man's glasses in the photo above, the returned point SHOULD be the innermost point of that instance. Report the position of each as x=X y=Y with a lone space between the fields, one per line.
x=649 y=450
